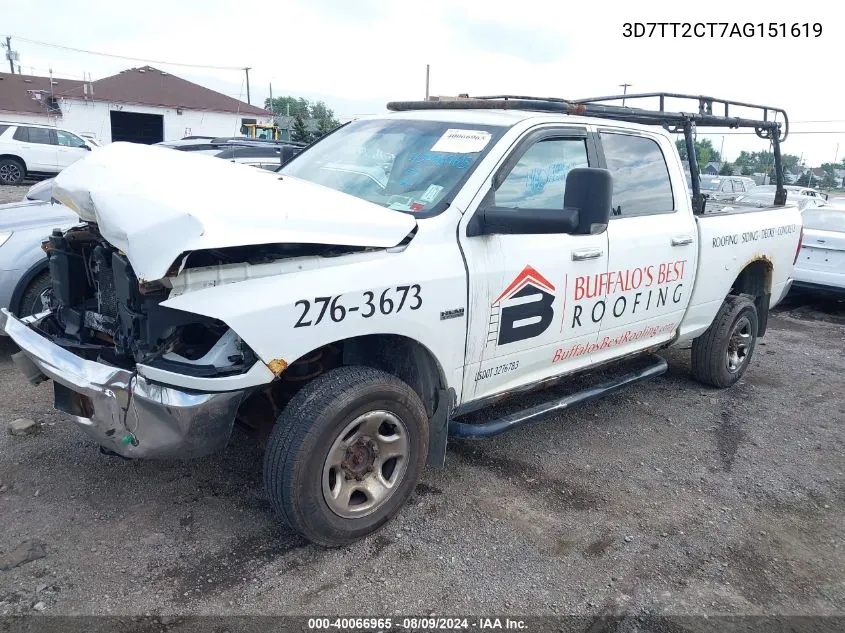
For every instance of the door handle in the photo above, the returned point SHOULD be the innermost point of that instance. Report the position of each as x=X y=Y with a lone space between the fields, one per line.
x=682 y=240
x=586 y=253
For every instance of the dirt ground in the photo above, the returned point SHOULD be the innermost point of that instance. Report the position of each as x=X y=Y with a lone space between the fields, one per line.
x=13 y=193
x=665 y=498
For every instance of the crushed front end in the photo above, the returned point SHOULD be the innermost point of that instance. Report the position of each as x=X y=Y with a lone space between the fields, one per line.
x=102 y=330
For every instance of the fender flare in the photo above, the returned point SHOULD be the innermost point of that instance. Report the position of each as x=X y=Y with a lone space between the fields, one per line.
x=17 y=158
x=32 y=272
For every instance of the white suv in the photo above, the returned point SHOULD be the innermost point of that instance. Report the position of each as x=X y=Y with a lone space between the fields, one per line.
x=37 y=150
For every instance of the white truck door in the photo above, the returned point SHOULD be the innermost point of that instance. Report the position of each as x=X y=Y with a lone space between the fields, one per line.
x=653 y=245
x=520 y=317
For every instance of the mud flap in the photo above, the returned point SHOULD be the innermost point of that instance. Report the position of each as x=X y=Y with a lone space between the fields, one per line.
x=763 y=301
x=438 y=428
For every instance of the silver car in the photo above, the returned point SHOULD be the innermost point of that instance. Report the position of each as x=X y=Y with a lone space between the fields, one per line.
x=726 y=188
x=24 y=225
x=821 y=260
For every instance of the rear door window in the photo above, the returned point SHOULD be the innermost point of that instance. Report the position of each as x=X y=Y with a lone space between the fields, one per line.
x=641 y=184
x=40 y=135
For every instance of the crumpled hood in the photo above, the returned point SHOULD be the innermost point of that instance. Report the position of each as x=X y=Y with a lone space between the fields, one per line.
x=155 y=203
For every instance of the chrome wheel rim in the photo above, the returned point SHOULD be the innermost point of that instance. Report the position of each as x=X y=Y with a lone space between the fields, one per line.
x=739 y=344
x=365 y=464
x=9 y=173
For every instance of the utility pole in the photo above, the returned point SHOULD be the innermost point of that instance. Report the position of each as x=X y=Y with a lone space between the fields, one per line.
x=246 y=70
x=271 y=98
x=624 y=91
x=11 y=55
x=427 y=70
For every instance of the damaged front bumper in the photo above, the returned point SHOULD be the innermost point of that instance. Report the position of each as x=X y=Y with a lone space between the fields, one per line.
x=121 y=410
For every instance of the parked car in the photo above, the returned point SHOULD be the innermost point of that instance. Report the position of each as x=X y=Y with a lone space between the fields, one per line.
x=256 y=153
x=725 y=188
x=767 y=198
x=364 y=318
x=32 y=149
x=90 y=139
x=796 y=190
x=23 y=263
x=821 y=260
x=24 y=273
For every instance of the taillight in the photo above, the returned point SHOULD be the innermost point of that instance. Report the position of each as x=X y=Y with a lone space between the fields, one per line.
x=800 y=240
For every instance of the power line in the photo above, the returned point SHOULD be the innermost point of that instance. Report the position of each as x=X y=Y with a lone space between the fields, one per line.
x=134 y=59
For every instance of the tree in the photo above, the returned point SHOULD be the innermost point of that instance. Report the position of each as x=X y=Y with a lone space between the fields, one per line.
x=288 y=106
x=704 y=152
x=829 y=178
x=323 y=115
x=306 y=111
x=301 y=133
x=803 y=179
x=297 y=106
x=764 y=162
x=789 y=161
x=324 y=126
x=726 y=170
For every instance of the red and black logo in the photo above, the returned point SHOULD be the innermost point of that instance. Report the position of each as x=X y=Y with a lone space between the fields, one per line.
x=525 y=307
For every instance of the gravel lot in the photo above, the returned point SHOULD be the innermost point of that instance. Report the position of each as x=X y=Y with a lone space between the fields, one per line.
x=10 y=193
x=665 y=498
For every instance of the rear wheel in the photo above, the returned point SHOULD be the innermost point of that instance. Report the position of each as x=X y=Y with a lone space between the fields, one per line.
x=12 y=171
x=31 y=300
x=345 y=454
x=722 y=354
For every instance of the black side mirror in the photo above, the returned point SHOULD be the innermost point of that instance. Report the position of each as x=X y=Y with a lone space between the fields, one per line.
x=590 y=191
x=586 y=210
x=87 y=147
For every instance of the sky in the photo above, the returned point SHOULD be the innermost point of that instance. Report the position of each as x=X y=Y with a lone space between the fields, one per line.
x=357 y=55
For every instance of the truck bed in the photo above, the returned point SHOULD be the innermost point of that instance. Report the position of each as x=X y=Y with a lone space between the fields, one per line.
x=731 y=239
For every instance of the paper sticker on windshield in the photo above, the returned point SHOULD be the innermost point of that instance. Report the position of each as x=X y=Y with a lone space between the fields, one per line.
x=462 y=141
x=431 y=193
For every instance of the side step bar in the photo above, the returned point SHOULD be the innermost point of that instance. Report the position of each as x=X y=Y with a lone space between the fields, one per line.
x=656 y=367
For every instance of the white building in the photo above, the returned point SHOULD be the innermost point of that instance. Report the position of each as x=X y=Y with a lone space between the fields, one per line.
x=141 y=105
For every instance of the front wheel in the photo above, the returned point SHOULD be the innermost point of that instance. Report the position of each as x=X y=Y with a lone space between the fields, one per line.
x=345 y=454
x=31 y=300
x=722 y=354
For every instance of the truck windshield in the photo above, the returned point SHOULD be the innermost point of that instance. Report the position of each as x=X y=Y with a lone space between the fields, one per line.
x=405 y=165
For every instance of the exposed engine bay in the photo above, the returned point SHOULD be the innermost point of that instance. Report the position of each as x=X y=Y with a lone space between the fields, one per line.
x=101 y=311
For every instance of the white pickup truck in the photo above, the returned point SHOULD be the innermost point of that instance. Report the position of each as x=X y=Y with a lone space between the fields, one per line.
x=406 y=270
